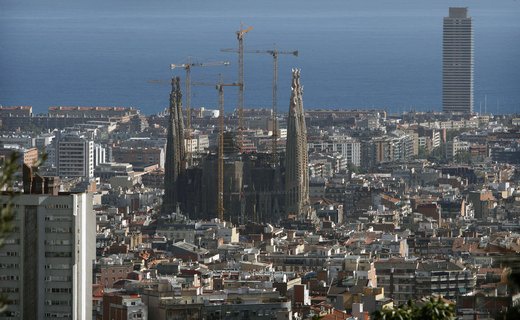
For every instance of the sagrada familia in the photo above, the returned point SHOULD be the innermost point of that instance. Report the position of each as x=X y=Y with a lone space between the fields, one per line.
x=256 y=188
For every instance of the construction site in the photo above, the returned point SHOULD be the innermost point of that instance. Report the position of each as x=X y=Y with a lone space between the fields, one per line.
x=231 y=183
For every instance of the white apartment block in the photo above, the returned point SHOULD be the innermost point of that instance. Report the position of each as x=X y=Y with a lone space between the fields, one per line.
x=75 y=156
x=46 y=262
x=456 y=146
x=100 y=154
x=349 y=148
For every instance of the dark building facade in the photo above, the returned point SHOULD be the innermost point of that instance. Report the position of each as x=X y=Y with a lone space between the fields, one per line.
x=175 y=162
x=256 y=188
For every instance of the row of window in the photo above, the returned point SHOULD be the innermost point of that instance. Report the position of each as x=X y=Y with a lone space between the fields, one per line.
x=58 y=278
x=58 y=302
x=50 y=254
x=12 y=241
x=5 y=277
x=54 y=315
x=58 y=290
x=58 y=242
x=58 y=230
x=56 y=206
x=58 y=266
x=8 y=253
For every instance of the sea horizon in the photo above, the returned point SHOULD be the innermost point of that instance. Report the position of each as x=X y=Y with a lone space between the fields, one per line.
x=351 y=54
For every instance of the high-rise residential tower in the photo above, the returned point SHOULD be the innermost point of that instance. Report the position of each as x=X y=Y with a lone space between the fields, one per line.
x=296 y=172
x=46 y=261
x=75 y=155
x=457 y=62
x=175 y=152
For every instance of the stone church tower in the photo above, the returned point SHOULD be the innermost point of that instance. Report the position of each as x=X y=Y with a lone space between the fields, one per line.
x=296 y=171
x=175 y=163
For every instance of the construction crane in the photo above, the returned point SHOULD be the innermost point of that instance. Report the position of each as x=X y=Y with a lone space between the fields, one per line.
x=220 y=200
x=187 y=67
x=274 y=53
x=240 y=37
x=220 y=149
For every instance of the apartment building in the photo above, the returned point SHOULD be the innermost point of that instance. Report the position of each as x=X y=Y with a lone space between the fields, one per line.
x=46 y=262
x=75 y=155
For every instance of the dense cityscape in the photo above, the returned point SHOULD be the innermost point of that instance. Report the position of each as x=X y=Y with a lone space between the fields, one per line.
x=195 y=213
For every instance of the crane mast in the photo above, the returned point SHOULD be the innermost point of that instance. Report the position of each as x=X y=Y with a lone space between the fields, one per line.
x=274 y=53
x=240 y=38
x=220 y=168
x=187 y=67
x=274 y=144
x=220 y=162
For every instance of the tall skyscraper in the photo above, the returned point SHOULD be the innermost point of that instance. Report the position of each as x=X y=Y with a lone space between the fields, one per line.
x=175 y=151
x=296 y=171
x=457 y=62
x=46 y=261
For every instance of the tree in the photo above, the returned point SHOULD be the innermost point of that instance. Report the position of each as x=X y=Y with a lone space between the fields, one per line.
x=463 y=157
x=404 y=312
x=434 y=309
x=8 y=170
x=510 y=314
x=353 y=168
x=437 y=309
x=422 y=153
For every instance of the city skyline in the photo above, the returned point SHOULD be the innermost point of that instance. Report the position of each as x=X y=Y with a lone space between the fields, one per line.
x=376 y=62
x=363 y=204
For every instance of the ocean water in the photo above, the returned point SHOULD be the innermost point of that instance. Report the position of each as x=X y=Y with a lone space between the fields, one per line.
x=353 y=53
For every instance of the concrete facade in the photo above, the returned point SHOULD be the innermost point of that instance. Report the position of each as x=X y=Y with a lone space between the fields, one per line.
x=457 y=62
x=46 y=262
x=75 y=156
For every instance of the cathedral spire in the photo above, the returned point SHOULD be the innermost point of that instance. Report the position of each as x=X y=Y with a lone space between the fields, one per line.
x=175 y=151
x=296 y=172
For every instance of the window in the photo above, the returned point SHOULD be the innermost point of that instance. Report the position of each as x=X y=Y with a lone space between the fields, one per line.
x=58 y=254
x=58 y=230
x=58 y=290
x=58 y=302
x=58 y=278
x=12 y=241
x=57 y=315
x=58 y=242
x=56 y=206
x=62 y=266
x=9 y=254
x=57 y=218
